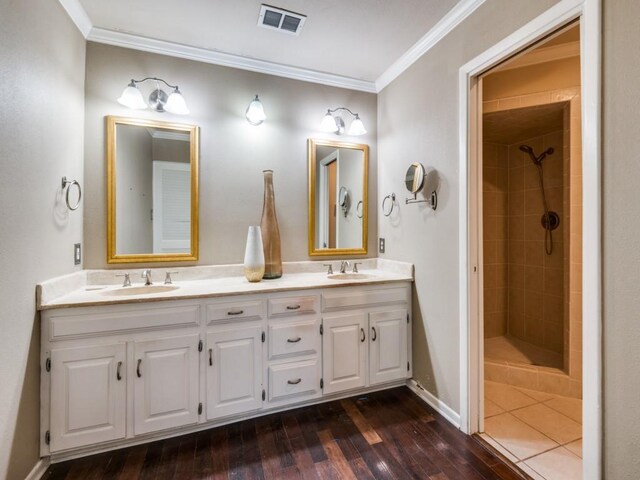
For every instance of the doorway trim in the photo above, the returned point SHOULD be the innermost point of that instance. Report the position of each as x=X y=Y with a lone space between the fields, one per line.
x=471 y=351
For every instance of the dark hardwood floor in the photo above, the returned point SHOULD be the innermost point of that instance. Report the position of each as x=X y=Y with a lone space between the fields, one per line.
x=383 y=435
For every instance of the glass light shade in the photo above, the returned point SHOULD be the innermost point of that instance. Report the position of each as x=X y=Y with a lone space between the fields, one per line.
x=176 y=104
x=132 y=97
x=357 y=127
x=255 y=112
x=329 y=124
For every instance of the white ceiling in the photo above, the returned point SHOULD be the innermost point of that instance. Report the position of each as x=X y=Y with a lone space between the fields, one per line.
x=358 y=39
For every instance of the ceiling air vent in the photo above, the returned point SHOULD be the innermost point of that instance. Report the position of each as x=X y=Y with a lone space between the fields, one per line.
x=282 y=20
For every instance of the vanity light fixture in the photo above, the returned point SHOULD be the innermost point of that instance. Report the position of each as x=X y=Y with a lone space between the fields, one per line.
x=255 y=112
x=158 y=99
x=335 y=123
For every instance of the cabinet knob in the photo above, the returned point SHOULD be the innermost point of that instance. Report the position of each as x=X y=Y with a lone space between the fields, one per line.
x=211 y=357
x=363 y=338
x=235 y=312
x=293 y=307
x=294 y=340
x=138 y=372
x=118 y=376
x=294 y=382
x=375 y=335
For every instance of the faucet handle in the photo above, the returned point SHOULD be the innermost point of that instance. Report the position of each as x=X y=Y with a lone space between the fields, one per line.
x=167 y=278
x=355 y=266
x=127 y=279
x=330 y=271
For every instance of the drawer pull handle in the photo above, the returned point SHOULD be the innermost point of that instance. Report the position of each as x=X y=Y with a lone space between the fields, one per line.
x=293 y=307
x=294 y=340
x=363 y=335
x=375 y=335
x=118 y=376
x=235 y=312
x=211 y=357
x=294 y=382
x=138 y=372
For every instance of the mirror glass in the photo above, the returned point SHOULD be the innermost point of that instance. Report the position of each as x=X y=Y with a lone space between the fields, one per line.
x=414 y=177
x=153 y=198
x=338 y=175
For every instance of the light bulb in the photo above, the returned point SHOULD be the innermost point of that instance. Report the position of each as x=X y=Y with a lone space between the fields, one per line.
x=329 y=124
x=357 y=127
x=176 y=104
x=255 y=112
x=132 y=97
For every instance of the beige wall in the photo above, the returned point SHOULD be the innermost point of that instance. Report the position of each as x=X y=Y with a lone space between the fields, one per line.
x=41 y=122
x=418 y=121
x=621 y=231
x=232 y=152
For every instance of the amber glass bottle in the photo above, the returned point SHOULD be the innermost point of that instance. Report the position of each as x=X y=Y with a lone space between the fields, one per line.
x=270 y=231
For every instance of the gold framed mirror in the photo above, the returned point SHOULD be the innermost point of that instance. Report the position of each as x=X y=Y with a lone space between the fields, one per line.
x=338 y=197
x=152 y=191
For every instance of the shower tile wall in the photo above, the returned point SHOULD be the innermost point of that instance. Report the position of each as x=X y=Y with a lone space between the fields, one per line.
x=495 y=200
x=536 y=280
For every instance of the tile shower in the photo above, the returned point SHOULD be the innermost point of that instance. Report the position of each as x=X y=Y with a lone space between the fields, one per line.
x=532 y=298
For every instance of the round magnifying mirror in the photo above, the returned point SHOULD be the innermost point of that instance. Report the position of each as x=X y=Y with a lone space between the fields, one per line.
x=414 y=177
x=342 y=196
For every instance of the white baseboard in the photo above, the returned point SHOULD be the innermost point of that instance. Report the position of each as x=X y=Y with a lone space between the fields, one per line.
x=39 y=469
x=438 y=405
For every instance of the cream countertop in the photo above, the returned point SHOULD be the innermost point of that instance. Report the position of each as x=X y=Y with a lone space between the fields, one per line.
x=99 y=287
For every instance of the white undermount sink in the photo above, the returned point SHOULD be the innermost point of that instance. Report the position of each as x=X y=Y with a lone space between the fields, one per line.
x=349 y=276
x=141 y=290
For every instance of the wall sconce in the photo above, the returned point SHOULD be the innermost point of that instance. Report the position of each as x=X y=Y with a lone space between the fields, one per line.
x=158 y=100
x=255 y=112
x=335 y=123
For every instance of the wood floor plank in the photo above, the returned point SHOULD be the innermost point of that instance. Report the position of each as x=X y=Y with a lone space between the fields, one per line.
x=336 y=456
x=356 y=417
x=383 y=435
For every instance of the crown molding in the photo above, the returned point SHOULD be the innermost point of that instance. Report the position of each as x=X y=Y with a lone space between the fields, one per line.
x=78 y=16
x=450 y=21
x=162 y=47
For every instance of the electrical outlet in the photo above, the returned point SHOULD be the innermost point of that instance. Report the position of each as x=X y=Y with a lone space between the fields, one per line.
x=77 y=254
x=381 y=245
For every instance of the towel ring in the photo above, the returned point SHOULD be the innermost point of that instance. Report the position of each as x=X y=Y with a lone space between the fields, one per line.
x=392 y=197
x=71 y=183
x=359 y=209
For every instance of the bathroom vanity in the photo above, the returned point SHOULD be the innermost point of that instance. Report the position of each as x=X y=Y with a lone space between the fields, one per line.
x=122 y=368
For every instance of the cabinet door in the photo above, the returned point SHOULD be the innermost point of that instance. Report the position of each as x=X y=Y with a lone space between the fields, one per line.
x=344 y=350
x=88 y=395
x=166 y=383
x=388 y=346
x=234 y=359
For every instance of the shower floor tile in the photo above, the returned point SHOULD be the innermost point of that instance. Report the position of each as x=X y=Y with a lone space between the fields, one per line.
x=514 y=351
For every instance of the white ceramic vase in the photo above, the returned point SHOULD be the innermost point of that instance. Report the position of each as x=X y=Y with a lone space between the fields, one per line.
x=254 y=255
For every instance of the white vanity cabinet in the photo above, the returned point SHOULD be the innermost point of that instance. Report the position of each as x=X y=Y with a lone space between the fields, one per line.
x=118 y=374
x=166 y=383
x=88 y=396
x=366 y=342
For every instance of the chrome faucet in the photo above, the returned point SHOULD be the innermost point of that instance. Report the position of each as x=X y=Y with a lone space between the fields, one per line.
x=344 y=264
x=146 y=274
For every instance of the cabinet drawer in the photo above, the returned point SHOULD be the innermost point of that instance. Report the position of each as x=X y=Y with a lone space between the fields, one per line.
x=113 y=322
x=293 y=380
x=299 y=338
x=232 y=310
x=363 y=298
x=293 y=305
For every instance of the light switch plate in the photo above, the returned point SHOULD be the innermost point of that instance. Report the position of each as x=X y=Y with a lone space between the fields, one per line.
x=381 y=245
x=77 y=254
